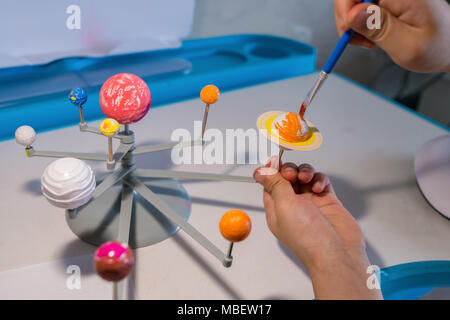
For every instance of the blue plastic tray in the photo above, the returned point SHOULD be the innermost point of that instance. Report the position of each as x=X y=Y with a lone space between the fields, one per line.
x=411 y=281
x=37 y=95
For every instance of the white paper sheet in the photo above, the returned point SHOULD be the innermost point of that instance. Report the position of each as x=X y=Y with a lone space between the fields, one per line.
x=36 y=32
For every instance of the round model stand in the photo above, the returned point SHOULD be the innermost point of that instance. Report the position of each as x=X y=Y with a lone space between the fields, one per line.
x=98 y=221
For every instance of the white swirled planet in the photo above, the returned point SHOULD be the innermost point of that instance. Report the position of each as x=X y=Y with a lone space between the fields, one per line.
x=68 y=183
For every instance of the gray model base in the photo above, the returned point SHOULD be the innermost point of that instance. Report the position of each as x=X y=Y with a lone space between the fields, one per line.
x=98 y=221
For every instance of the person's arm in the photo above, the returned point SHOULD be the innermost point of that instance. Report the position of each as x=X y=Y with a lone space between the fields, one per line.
x=304 y=213
x=415 y=33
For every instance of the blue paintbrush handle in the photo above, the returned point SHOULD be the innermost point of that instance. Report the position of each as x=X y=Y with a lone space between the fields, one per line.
x=340 y=47
x=335 y=55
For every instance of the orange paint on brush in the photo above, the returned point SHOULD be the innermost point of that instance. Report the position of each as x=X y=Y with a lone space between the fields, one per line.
x=290 y=128
x=302 y=110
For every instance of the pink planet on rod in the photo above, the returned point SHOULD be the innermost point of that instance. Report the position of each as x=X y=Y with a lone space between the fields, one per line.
x=113 y=261
x=125 y=97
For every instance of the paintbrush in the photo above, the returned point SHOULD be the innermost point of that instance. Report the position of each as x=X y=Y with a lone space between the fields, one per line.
x=332 y=60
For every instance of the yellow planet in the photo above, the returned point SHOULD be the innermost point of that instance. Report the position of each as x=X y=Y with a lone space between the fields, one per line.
x=109 y=127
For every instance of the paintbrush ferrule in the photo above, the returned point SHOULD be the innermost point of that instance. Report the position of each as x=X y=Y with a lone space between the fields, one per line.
x=317 y=85
x=312 y=93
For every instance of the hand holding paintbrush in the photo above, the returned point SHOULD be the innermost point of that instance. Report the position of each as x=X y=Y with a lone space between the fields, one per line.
x=332 y=60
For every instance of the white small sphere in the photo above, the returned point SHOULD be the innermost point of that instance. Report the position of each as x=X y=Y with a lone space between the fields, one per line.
x=68 y=183
x=25 y=135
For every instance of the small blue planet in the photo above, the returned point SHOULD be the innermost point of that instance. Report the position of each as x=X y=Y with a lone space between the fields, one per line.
x=78 y=96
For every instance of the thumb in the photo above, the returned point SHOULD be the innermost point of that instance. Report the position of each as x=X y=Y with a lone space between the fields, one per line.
x=272 y=181
x=383 y=28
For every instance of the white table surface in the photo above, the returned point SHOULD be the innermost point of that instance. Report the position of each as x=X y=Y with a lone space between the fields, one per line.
x=368 y=151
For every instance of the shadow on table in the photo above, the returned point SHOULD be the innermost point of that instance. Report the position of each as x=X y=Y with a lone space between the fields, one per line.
x=206 y=267
x=81 y=252
x=212 y=202
x=354 y=198
x=226 y=204
x=33 y=187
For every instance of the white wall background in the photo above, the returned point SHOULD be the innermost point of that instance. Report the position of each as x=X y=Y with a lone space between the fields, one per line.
x=37 y=32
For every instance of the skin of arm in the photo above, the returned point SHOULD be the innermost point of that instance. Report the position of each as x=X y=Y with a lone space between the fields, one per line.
x=415 y=33
x=304 y=213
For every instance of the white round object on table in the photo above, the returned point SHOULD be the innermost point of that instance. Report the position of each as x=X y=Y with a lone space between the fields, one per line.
x=432 y=167
x=68 y=183
x=25 y=135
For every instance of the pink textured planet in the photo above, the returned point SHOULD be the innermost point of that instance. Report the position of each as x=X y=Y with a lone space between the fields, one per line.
x=125 y=97
x=113 y=261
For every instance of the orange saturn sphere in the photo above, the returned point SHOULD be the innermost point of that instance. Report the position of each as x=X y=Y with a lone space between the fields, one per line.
x=210 y=94
x=235 y=225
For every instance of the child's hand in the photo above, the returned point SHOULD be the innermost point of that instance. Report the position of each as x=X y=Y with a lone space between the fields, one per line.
x=304 y=213
x=415 y=33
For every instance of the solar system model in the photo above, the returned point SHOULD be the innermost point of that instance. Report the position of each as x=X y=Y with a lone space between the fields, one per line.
x=135 y=207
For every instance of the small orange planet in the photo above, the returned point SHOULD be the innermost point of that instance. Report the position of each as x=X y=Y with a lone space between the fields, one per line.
x=235 y=225
x=291 y=127
x=210 y=94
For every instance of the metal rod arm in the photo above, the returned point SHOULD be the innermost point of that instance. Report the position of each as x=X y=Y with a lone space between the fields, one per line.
x=175 y=218
x=126 y=209
x=122 y=151
x=183 y=175
x=60 y=154
x=85 y=128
